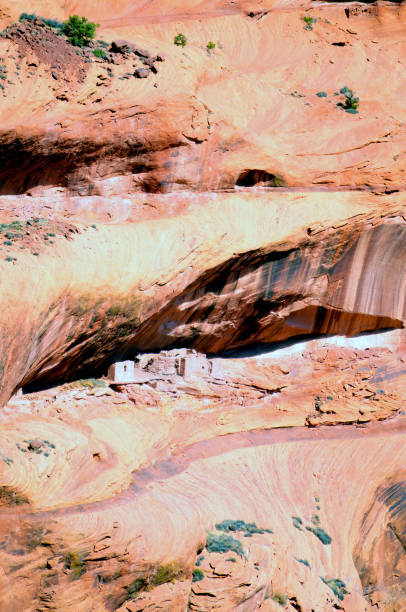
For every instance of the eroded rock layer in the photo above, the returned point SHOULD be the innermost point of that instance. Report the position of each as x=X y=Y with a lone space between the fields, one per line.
x=215 y=196
x=162 y=282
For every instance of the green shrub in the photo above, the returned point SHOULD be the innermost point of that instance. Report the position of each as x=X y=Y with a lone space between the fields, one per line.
x=180 y=40
x=76 y=563
x=309 y=21
x=321 y=534
x=279 y=598
x=239 y=525
x=137 y=585
x=337 y=586
x=297 y=522
x=100 y=53
x=351 y=103
x=222 y=543
x=79 y=30
x=306 y=563
x=27 y=17
x=198 y=575
x=211 y=45
x=52 y=23
x=166 y=573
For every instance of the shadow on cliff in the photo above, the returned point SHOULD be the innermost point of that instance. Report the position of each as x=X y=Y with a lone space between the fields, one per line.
x=379 y=555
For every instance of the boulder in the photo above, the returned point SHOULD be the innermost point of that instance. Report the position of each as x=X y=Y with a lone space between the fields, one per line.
x=141 y=73
x=121 y=46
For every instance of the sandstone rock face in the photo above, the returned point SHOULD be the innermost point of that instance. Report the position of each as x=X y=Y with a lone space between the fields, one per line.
x=163 y=201
x=183 y=135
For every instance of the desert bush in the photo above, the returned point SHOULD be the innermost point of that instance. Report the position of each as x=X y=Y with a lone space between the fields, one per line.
x=351 y=103
x=100 y=53
x=79 y=30
x=239 y=525
x=27 y=17
x=221 y=543
x=180 y=40
x=337 y=586
x=321 y=534
x=304 y=562
x=166 y=573
x=76 y=563
x=198 y=575
x=51 y=23
x=279 y=598
x=309 y=21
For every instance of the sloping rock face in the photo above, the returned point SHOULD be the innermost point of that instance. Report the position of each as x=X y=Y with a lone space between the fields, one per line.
x=131 y=296
x=218 y=198
x=172 y=131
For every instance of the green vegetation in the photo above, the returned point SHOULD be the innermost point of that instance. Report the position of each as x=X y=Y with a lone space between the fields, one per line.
x=239 y=525
x=100 y=53
x=32 y=448
x=11 y=497
x=314 y=528
x=79 y=30
x=164 y=573
x=180 y=40
x=198 y=575
x=321 y=534
x=297 y=522
x=51 y=23
x=210 y=45
x=279 y=598
x=27 y=17
x=309 y=21
x=351 y=103
x=137 y=585
x=337 y=586
x=76 y=563
x=321 y=94
x=222 y=543
x=306 y=563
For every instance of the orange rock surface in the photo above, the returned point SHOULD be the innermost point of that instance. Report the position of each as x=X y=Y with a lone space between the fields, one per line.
x=225 y=203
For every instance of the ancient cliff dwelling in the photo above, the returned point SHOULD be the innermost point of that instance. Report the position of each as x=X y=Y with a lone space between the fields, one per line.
x=202 y=306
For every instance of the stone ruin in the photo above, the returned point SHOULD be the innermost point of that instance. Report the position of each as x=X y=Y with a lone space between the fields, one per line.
x=184 y=363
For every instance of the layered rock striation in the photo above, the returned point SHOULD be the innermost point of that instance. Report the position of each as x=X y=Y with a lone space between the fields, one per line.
x=217 y=199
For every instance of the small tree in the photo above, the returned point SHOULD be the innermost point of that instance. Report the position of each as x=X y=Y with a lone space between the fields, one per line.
x=79 y=30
